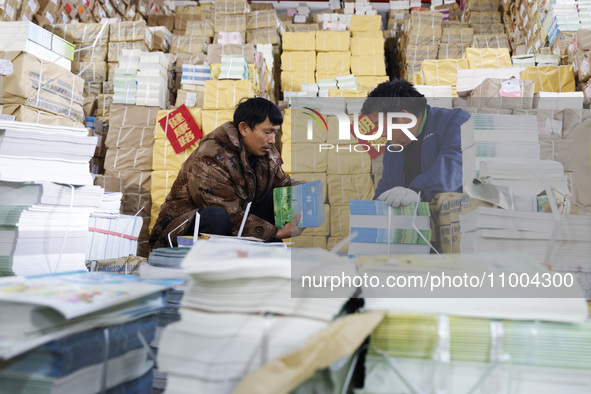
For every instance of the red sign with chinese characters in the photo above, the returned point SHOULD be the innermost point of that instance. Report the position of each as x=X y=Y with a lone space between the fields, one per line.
x=368 y=127
x=180 y=129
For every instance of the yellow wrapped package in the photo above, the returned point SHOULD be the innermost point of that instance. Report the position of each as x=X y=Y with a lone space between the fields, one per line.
x=295 y=129
x=308 y=242
x=331 y=242
x=342 y=188
x=332 y=41
x=212 y=119
x=292 y=81
x=441 y=72
x=253 y=75
x=165 y=159
x=303 y=158
x=368 y=65
x=310 y=177
x=376 y=35
x=324 y=229
x=161 y=184
x=349 y=93
x=367 y=46
x=488 y=58
x=369 y=82
x=366 y=23
x=351 y=159
x=298 y=61
x=339 y=221
x=334 y=62
x=299 y=41
x=226 y=94
x=321 y=75
x=160 y=134
x=557 y=79
x=154 y=212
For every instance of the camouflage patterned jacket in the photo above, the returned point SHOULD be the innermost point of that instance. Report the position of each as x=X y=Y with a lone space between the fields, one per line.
x=218 y=174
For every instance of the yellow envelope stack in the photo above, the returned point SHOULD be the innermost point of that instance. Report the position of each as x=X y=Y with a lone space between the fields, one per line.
x=366 y=23
x=333 y=63
x=253 y=75
x=165 y=158
x=295 y=61
x=299 y=41
x=295 y=127
x=298 y=60
x=332 y=41
x=368 y=82
x=159 y=132
x=292 y=81
x=226 y=93
x=488 y=58
x=442 y=72
x=368 y=45
x=367 y=65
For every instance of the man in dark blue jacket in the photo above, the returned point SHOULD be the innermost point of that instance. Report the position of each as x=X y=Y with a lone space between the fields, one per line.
x=431 y=162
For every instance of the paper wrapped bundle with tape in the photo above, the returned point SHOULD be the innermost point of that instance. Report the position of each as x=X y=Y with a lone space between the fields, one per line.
x=416 y=54
x=127 y=31
x=200 y=28
x=494 y=41
x=366 y=23
x=304 y=158
x=215 y=52
x=556 y=79
x=369 y=82
x=263 y=36
x=132 y=181
x=261 y=19
x=462 y=36
x=190 y=58
x=299 y=41
x=352 y=160
x=366 y=65
x=212 y=119
x=425 y=28
x=190 y=98
x=298 y=61
x=82 y=32
x=349 y=93
x=162 y=182
x=339 y=221
x=583 y=59
x=292 y=81
x=332 y=41
x=131 y=126
x=451 y=51
x=307 y=241
x=488 y=58
x=165 y=159
x=158 y=38
x=24 y=113
x=338 y=63
x=91 y=71
x=189 y=44
x=503 y=93
x=223 y=7
x=137 y=159
x=493 y=28
x=229 y=23
x=442 y=72
x=484 y=17
x=103 y=107
x=342 y=188
x=226 y=94
x=116 y=48
x=96 y=53
x=61 y=91
x=365 y=45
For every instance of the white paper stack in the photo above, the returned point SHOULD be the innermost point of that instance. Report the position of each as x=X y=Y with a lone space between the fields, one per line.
x=223 y=313
x=559 y=101
x=113 y=235
x=125 y=82
x=29 y=37
x=324 y=85
x=562 y=16
x=267 y=51
x=234 y=67
x=311 y=89
x=437 y=96
x=523 y=61
x=468 y=80
x=547 y=60
x=152 y=80
x=347 y=82
x=493 y=137
x=584 y=7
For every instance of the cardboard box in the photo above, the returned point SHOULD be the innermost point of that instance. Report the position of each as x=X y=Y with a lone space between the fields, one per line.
x=62 y=93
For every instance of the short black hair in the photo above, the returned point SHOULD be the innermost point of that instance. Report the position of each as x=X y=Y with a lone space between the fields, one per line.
x=395 y=96
x=254 y=111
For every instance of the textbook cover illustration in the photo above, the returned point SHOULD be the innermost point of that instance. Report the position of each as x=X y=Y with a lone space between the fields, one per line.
x=291 y=200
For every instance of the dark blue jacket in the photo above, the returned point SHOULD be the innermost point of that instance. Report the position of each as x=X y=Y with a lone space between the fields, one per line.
x=441 y=156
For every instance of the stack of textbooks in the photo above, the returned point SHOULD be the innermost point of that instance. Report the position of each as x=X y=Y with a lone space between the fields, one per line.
x=125 y=82
x=240 y=297
x=45 y=224
x=113 y=236
x=383 y=230
x=152 y=80
x=195 y=74
x=234 y=67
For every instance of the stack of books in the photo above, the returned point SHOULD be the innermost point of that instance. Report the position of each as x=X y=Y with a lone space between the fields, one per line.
x=113 y=236
x=29 y=37
x=324 y=85
x=125 y=82
x=195 y=75
x=152 y=80
x=234 y=67
x=384 y=230
x=240 y=297
x=347 y=82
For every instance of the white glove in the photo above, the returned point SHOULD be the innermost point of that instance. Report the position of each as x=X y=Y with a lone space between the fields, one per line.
x=398 y=196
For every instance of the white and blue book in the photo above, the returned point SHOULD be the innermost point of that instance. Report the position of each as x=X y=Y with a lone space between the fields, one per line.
x=306 y=199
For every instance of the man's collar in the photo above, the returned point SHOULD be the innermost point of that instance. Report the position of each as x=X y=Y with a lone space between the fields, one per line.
x=423 y=122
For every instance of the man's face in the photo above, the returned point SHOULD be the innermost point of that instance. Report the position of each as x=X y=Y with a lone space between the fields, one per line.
x=398 y=136
x=258 y=141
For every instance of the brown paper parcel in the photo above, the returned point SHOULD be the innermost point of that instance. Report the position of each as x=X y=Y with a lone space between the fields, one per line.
x=129 y=159
x=489 y=94
x=342 y=188
x=138 y=182
x=60 y=93
x=131 y=126
x=23 y=113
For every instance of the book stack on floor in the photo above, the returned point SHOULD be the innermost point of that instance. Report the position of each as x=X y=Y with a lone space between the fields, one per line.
x=78 y=333
x=218 y=340
x=384 y=230
x=464 y=344
x=46 y=224
x=166 y=263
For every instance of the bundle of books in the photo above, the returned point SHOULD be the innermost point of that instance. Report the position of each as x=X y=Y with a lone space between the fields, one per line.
x=195 y=74
x=125 y=81
x=53 y=343
x=324 y=85
x=152 y=80
x=384 y=230
x=234 y=67
x=347 y=82
x=240 y=297
x=113 y=236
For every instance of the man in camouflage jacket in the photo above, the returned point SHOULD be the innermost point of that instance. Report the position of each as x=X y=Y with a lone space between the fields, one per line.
x=235 y=164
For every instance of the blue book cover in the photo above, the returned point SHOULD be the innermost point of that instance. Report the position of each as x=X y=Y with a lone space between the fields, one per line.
x=306 y=199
